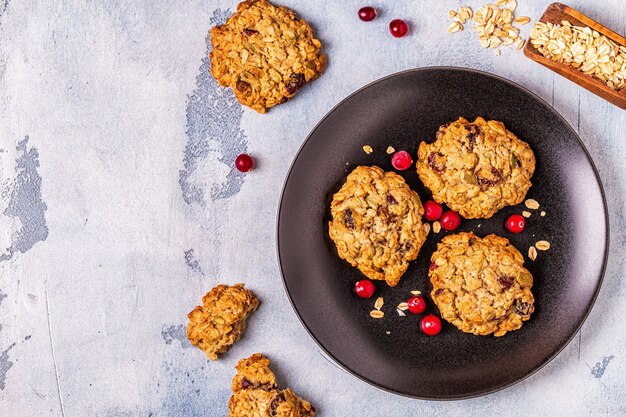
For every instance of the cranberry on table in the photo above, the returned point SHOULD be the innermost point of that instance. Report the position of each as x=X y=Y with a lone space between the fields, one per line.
x=432 y=210
x=450 y=220
x=417 y=304
x=431 y=325
x=367 y=13
x=401 y=160
x=516 y=223
x=398 y=28
x=244 y=162
x=364 y=288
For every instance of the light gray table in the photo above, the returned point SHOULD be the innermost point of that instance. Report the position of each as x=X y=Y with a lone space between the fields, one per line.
x=119 y=208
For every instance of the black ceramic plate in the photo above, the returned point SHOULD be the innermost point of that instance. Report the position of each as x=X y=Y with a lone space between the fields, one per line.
x=391 y=353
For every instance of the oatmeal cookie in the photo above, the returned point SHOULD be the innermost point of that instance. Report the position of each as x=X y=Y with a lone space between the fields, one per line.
x=256 y=394
x=265 y=54
x=377 y=223
x=480 y=285
x=476 y=168
x=219 y=321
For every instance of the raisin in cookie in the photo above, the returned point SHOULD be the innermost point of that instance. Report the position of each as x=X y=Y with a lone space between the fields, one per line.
x=480 y=285
x=265 y=54
x=476 y=168
x=256 y=394
x=219 y=321
x=377 y=223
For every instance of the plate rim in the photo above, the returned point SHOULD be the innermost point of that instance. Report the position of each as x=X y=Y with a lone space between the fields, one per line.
x=482 y=392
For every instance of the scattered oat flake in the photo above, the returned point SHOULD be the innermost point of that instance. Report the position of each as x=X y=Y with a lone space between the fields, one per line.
x=542 y=214
x=496 y=52
x=379 y=303
x=403 y=306
x=532 y=253
x=426 y=228
x=416 y=292
x=390 y=150
x=455 y=27
x=368 y=149
x=526 y=213
x=436 y=226
x=401 y=313
x=452 y=14
x=522 y=20
x=542 y=245
x=532 y=204
x=388 y=332
x=377 y=314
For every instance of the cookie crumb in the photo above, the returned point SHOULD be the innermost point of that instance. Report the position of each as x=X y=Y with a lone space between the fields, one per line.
x=368 y=149
x=390 y=150
x=542 y=214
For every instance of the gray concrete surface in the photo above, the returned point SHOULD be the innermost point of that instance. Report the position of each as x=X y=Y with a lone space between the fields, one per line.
x=119 y=208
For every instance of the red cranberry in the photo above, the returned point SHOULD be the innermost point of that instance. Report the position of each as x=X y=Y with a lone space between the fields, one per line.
x=450 y=220
x=433 y=266
x=244 y=162
x=398 y=28
x=401 y=160
x=367 y=13
x=364 y=288
x=431 y=325
x=417 y=305
x=432 y=210
x=516 y=223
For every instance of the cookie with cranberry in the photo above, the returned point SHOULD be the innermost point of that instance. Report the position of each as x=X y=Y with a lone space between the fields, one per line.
x=481 y=285
x=476 y=168
x=255 y=393
x=377 y=223
x=265 y=53
x=221 y=319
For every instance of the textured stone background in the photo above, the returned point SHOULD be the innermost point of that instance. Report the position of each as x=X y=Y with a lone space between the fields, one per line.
x=119 y=208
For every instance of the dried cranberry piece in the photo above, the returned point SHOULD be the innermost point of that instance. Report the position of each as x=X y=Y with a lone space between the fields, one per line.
x=295 y=82
x=275 y=402
x=433 y=266
x=439 y=292
x=249 y=32
x=506 y=282
x=432 y=162
x=522 y=308
x=391 y=199
x=242 y=86
x=245 y=383
x=473 y=131
x=486 y=181
x=442 y=130
x=348 y=219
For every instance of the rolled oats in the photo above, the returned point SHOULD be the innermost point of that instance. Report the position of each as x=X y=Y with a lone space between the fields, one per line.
x=532 y=253
x=379 y=303
x=532 y=204
x=368 y=149
x=582 y=48
x=403 y=306
x=436 y=226
x=416 y=292
x=377 y=314
x=542 y=245
x=526 y=213
x=390 y=150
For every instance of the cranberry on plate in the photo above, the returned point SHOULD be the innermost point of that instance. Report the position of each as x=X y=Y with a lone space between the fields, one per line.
x=432 y=210
x=401 y=160
x=450 y=220
x=516 y=223
x=367 y=13
x=417 y=304
x=364 y=288
x=431 y=325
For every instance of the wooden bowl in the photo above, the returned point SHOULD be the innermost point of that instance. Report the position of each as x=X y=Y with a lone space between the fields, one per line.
x=556 y=13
